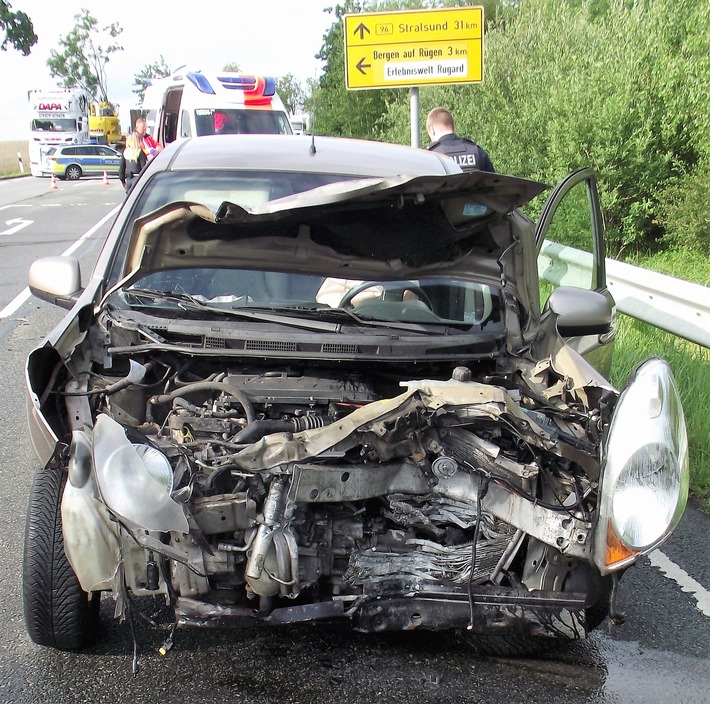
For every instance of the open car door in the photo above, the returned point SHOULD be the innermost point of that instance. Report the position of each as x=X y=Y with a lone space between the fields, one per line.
x=571 y=267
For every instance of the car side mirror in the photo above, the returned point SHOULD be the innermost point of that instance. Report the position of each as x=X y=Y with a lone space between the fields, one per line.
x=580 y=312
x=56 y=280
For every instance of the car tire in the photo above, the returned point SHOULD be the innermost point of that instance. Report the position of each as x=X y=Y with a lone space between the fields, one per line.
x=58 y=612
x=73 y=173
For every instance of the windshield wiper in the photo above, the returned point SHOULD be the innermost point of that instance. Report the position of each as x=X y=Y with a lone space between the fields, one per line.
x=432 y=328
x=187 y=302
x=308 y=317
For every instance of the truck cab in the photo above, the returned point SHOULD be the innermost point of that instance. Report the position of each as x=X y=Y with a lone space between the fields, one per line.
x=57 y=116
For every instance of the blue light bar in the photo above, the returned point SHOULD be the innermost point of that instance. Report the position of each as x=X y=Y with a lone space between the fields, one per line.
x=270 y=87
x=200 y=82
x=238 y=82
x=248 y=83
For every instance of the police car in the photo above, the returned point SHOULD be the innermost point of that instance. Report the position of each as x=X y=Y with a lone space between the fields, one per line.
x=77 y=160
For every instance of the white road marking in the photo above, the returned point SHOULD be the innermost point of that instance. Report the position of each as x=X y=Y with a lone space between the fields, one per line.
x=683 y=579
x=15 y=303
x=17 y=223
x=21 y=297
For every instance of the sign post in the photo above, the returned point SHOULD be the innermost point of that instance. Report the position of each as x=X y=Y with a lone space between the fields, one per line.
x=414 y=115
x=414 y=48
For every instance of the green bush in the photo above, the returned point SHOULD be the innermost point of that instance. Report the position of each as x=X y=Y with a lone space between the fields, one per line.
x=686 y=217
x=620 y=86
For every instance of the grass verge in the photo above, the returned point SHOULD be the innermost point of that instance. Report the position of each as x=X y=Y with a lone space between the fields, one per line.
x=681 y=264
x=9 y=163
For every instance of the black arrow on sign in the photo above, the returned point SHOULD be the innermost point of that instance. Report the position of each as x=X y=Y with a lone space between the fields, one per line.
x=362 y=29
x=360 y=66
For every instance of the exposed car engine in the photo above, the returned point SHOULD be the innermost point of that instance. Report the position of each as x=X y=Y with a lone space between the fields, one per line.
x=303 y=486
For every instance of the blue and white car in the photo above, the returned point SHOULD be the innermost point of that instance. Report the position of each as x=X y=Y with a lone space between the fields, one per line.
x=77 y=160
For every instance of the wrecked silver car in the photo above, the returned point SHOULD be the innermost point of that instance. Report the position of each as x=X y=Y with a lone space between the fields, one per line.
x=318 y=383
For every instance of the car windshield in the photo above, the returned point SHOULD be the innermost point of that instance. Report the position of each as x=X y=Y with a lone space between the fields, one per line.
x=462 y=302
x=236 y=292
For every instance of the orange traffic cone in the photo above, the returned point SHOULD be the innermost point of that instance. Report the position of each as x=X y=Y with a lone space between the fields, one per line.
x=53 y=184
x=105 y=179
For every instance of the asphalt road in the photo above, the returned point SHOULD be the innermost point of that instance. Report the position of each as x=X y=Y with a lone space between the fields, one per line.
x=660 y=654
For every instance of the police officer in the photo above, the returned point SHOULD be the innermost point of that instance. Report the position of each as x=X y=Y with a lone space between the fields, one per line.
x=467 y=154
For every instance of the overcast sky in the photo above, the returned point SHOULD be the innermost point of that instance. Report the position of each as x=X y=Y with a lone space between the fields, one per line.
x=266 y=37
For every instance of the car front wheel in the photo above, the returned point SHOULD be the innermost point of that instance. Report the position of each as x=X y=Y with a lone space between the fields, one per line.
x=73 y=172
x=58 y=612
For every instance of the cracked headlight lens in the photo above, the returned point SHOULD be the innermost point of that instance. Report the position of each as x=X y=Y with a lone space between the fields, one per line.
x=157 y=465
x=645 y=475
x=135 y=481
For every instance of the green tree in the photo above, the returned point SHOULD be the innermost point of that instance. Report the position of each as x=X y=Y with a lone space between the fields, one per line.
x=82 y=59
x=621 y=86
x=158 y=69
x=18 y=28
x=338 y=111
x=291 y=92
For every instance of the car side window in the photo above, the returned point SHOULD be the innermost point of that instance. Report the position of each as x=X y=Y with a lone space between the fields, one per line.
x=570 y=247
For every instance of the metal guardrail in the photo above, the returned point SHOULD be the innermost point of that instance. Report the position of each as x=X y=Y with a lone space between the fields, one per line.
x=679 y=307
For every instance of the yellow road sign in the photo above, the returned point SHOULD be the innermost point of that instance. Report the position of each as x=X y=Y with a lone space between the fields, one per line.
x=414 y=48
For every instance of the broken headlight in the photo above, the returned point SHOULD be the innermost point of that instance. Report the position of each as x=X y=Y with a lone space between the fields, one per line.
x=645 y=474
x=135 y=485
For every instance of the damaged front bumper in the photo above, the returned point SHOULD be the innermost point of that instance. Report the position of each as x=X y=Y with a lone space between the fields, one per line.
x=487 y=611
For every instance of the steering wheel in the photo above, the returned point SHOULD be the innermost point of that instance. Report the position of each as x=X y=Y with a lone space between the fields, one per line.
x=387 y=286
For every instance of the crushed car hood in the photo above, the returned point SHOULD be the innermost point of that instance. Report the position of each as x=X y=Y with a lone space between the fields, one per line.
x=366 y=226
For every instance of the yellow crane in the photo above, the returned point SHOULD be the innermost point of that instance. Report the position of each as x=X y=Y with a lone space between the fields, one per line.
x=104 y=125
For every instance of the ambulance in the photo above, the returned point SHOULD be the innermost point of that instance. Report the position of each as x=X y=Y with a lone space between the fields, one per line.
x=195 y=104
